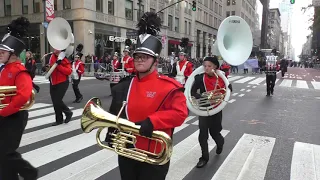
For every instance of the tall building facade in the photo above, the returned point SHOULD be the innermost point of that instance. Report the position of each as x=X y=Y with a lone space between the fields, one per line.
x=276 y=41
x=103 y=25
x=246 y=9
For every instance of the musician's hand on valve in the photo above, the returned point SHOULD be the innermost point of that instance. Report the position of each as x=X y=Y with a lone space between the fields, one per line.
x=146 y=128
x=109 y=136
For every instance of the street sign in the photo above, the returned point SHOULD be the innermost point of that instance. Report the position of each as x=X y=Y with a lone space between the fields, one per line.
x=316 y=3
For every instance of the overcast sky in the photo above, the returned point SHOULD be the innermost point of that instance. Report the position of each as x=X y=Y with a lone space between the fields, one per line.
x=299 y=22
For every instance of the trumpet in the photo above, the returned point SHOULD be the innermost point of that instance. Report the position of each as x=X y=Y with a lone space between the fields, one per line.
x=94 y=117
x=6 y=91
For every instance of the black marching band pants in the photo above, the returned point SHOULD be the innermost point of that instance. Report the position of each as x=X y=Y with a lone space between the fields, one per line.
x=271 y=80
x=134 y=170
x=75 y=87
x=213 y=125
x=11 y=162
x=57 y=93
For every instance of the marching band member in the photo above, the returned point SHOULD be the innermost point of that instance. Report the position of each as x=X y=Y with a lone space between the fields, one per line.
x=59 y=83
x=182 y=69
x=31 y=67
x=77 y=71
x=128 y=61
x=225 y=68
x=271 y=70
x=206 y=82
x=12 y=120
x=154 y=101
x=115 y=66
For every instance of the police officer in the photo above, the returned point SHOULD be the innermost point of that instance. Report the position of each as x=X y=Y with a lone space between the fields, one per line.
x=13 y=120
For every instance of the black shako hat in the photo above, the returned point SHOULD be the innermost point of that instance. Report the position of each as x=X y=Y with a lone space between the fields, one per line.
x=12 y=41
x=212 y=59
x=149 y=27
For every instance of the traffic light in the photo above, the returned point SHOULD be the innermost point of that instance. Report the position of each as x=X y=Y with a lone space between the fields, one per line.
x=194 y=5
x=292 y=1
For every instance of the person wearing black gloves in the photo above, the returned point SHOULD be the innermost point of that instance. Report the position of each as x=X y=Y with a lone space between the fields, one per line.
x=154 y=102
x=212 y=124
x=59 y=83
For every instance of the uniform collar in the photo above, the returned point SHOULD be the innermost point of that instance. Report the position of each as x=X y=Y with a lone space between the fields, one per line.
x=13 y=63
x=148 y=77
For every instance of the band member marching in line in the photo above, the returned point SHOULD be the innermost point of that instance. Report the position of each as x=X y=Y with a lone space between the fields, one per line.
x=206 y=82
x=271 y=72
x=77 y=71
x=13 y=120
x=128 y=61
x=59 y=83
x=116 y=65
x=154 y=101
x=182 y=69
x=31 y=67
x=225 y=68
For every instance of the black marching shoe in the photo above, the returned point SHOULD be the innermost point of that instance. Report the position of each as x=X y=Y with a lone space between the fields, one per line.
x=272 y=92
x=56 y=123
x=68 y=117
x=202 y=162
x=268 y=94
x=220 y=146
x=37 y=88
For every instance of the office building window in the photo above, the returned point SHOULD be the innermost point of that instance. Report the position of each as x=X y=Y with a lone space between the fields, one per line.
x=66 y=4
x=185 y=27
x=170 y=22
x=7 y=7
x=36 y=6
x=24 y=6
x=176 y=25
x=233 y=2
x=216 y=7
x=129 y=10
x=141 y=11
x=99 y=5
x=111 y=7
x=228 y=2
x=227 y=13
x=220 y=10
x=189 y=28
x=55 y=5
x=233 y=13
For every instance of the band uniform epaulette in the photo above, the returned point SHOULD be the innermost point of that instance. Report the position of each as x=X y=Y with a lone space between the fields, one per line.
x=171 y=80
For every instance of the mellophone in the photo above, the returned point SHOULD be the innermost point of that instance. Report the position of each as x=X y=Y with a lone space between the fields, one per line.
x=94 y=117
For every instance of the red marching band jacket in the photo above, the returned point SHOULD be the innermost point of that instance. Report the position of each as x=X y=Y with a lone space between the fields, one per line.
x=160 y=99
x=189 y=68
x=62 y=71
x=128 y=64
x=15 y=74
x=79 y=67
x=115 y=65
x=225 y=68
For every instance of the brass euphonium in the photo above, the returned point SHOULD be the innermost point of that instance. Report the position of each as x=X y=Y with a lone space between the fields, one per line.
x=6 y=91
x=94 y=117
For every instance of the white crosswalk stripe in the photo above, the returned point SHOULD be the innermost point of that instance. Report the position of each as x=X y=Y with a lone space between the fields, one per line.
x=43 y=80
x=65 y=152
x=294 y=83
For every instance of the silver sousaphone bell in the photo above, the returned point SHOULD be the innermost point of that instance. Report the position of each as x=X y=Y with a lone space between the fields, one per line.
x=60 y=37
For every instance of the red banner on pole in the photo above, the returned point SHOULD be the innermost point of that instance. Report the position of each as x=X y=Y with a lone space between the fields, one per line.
x=49 y=10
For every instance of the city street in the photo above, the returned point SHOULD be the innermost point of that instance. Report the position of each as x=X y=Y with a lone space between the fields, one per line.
x=266 y=138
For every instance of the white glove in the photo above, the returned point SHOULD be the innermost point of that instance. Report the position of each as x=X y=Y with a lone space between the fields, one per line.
x=62 y=55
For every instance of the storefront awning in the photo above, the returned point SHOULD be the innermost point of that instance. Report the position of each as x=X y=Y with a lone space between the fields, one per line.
x=177 y=42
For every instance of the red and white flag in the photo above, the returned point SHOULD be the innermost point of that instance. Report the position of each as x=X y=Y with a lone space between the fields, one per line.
x=49 y=10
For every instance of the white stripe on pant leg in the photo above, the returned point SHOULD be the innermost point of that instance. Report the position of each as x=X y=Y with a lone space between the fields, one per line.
x=305 y=162
x=248 y=160
x=186 y=155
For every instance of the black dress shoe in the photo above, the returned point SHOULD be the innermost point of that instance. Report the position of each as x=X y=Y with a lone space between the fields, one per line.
x=202 y=162
x=79 y=100
x=220 y=146
x=37 y=88
x=56 y=124
x=68 y=117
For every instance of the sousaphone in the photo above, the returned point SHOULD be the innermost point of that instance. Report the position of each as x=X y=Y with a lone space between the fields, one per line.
x=234 y=44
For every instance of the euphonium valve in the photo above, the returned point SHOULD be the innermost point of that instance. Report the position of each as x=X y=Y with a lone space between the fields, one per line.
x=6 y=91
x=94 y=117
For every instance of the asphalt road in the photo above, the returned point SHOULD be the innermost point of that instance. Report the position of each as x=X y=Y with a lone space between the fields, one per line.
x=270 y=138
